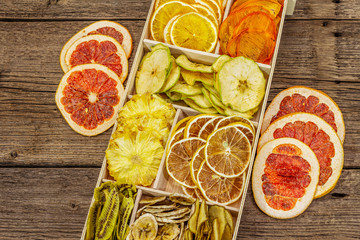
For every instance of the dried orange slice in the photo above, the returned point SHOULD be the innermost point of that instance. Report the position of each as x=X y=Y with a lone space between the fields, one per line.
x=99 y=49
x=209 y=127
x=180 y=124
x=198 y=158
x=246 y=129
x=177 y=136
x=218 y=189
x=206 y=11
x=285 y=177
x=193 y=126
x=163 y=14
x=233 y=119
x=227 y=151
x=319 y=136
x=195 y=31
x=215 y=7
x=189 y=191
x=104 y=27
x=88 y=97
x=305 y=99
x=178 y=160
x=167 y=37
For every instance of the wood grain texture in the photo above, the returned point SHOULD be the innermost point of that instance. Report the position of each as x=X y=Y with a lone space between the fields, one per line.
x=310 y=54
x=52 y=203
x=132 y=9
x=334 y=216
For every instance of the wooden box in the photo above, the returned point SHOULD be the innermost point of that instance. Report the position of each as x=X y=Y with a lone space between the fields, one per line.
x=163 y=184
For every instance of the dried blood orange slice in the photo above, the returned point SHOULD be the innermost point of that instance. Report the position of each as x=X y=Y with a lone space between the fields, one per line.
x=109 y=28
x=178 y=160
x=305 y=99
x=99 y=49
x=319 y=136
x=285 y=177
x=218 y=189
x=88 y=97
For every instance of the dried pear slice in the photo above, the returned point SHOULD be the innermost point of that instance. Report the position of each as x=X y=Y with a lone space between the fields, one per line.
x=173 y=77
x=241 y=84
x=215 y=233
x=153 y=71
x=153 y=200
x=184 y=62
x=192 y=77
x=145 y=228
x=227 y=233
x=178 y=213
x=182 y=231
x=219 y=62
x=181 y=199
x=186 y=89
x=188 y=235
x=193 y=105
x=201 y=101
x=217 y=212
x=203 y=215
x=168 y=232
x=192 y=224
x=229 y=221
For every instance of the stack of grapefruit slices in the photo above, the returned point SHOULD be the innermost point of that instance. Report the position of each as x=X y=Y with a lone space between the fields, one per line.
x=301 y=124
x=95 y=63
x=209 y=154
x=187 y=23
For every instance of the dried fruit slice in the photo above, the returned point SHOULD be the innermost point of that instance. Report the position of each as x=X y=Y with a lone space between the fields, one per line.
x=99 y=49
x=177 y=136
x=167 y=37
x=305 y=99
x=272 y=6
x=233 y=119
x=178 y=160
x=319 y=136
x=145 y=227
x=134 y=160
x=88 y=97
x=200 y=100
x=193 y=126
x=181 y=124
x=205 y=10
x=168 y=232
x=195 y=31
x=189 y=191
x=185 y=63
x=173 y=77
x=153 y=71
x=195 y=106
x=285 y=177
x=227 y=151
x=209 y=127
x=195 y=163
x=246 y=129
x=104 y=27
x=242 y=84
x=258 y=21
x=217 y=189
x=215 y=7
x=164 y=14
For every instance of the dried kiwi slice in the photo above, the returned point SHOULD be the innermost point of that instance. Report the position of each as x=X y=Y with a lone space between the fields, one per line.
x=184 y=62
x=241 y=84
x=153 y=71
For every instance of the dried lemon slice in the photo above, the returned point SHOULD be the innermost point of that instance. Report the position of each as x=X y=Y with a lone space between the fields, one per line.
x=194 y=31
x=227 y=152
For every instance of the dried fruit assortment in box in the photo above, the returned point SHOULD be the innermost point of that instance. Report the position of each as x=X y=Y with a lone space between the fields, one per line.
x=95 y=65
x=250 y=29
x=229 y=86
x=302 y=128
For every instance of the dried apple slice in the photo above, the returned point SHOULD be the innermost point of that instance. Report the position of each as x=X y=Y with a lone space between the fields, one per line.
x=242 y=84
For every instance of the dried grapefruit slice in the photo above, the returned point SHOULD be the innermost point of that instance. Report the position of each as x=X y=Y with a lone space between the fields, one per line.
x=99 y=49
x=227 y=152
x=88 y=97
x=178 y=160
x=218 y=189
x=319 y=136
x=194 y=126
x=109 y=28
x=305 y=99
x=285 y=177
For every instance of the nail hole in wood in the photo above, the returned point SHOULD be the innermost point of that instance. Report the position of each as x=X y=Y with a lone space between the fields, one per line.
x=336 y=1
x=337 y=81
x=325 y=24
x=14 y=154
x=337 y=34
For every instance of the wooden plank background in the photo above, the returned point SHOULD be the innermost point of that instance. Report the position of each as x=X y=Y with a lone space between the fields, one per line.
x=48 y=172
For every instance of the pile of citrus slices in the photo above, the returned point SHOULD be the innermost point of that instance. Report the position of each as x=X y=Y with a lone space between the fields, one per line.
x=251 y=28
x=209 y=154
x=95 y=63
x=187 y=23
x=302 y=133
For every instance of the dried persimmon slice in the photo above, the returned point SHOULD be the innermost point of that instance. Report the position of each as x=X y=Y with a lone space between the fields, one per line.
x=319 y=136
x=272 y=6
x=88 y=97
x=257 y=21
x=285 y=177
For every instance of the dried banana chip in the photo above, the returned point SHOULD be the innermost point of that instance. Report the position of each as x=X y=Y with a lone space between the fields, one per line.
x=181 y=199
x=153 y=200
